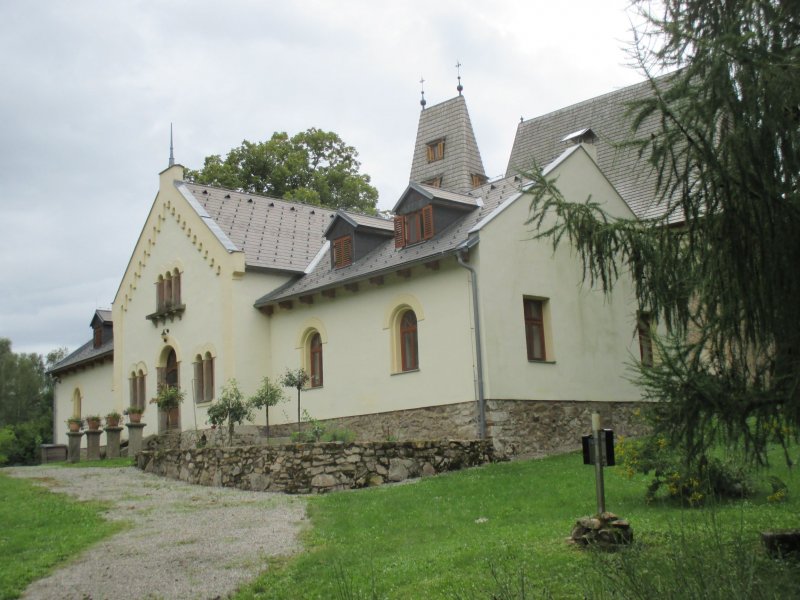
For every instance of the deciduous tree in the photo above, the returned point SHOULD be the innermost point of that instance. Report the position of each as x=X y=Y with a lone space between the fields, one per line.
x=313 y=166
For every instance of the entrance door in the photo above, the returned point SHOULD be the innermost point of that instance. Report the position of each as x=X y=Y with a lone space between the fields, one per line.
x=171 y=379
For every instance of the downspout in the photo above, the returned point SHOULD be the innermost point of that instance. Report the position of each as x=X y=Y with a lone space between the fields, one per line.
x=478 y=351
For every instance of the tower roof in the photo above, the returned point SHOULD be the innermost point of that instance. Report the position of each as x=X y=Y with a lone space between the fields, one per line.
x=446 y=154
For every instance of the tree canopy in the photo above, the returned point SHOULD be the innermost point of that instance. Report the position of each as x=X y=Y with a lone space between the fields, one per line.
x=720 y=267
x=313 y=166
x=26 y=403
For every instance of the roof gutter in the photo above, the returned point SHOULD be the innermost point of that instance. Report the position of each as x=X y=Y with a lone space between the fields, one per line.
x=478 y=352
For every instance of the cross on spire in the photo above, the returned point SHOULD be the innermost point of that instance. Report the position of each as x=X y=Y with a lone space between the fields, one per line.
x=171 y=154
x=459 y=87
x=422 y=91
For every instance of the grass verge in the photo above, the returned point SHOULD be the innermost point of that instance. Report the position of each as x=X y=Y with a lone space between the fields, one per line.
x=106 y=463
x=41 y=529
x=494 y=532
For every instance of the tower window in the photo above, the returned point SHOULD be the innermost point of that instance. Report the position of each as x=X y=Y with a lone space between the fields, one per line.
x=436 y=150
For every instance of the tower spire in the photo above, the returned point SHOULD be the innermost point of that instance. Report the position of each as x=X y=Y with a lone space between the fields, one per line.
x=171 y=154
x=459 y=87
x=422 y=91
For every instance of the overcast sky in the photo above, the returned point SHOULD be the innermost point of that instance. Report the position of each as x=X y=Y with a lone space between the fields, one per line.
x=88 y=91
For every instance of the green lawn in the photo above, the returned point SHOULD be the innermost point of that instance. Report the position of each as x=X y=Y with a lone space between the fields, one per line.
x=457 y=535
x=40 y=529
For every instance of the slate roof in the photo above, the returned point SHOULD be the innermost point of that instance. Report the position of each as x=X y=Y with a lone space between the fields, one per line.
x=540 y=140
x=386 y=258
x=362 y=220
x=449 y=120
x=273 y=234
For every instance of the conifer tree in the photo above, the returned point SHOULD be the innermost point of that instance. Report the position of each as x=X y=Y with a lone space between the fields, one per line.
x=721 y=267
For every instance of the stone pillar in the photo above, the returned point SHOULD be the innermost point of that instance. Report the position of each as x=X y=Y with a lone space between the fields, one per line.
x=112 y=441
x=93 y=444
x=74 y=450
x=134 y=438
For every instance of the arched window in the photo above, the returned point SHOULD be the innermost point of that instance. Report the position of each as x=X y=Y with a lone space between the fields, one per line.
x=168 y=291
x=408 y=341
x=315 y=359
x=137 y=390
x=76 y=403
x=160 y=294
x=176 y=288
x=203 y=378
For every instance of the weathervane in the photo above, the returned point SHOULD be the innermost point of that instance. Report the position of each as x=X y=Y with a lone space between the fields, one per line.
x=422 y=91
x=459 y=87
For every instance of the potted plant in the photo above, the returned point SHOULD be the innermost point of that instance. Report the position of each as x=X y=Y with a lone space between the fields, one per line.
x=74 y=423
x=134 y=414
x=93 y=422
x=113 y=418
x=169 y=398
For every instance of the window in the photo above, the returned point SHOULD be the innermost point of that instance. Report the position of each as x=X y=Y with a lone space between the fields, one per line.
x=315 y=360
x=436 y=150
x=409 y=356
x=176 y=288
x=478 y=180
x=342 y=251
x=160 y=302
x=137 y=389
x=76 y=403
x=98 y=336
x=434 y=182
x=534 y=328
x=414 y=227
x=203 y=378
x=644 y=329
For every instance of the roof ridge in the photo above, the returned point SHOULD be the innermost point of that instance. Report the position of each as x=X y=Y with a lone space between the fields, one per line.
x=257 y=195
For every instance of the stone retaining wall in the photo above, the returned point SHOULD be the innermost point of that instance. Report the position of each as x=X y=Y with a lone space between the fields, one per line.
x=316 y=468
x=521 y=428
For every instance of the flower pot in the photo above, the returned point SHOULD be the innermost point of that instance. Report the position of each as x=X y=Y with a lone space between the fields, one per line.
x=112 y=421
x=135 y=417
x=74 y=426
x=93 y=424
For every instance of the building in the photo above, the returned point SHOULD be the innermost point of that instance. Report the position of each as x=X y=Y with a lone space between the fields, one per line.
x=448 y=320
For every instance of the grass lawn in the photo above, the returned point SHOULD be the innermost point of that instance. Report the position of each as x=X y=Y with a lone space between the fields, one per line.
x=40 y=529
x=457 y=535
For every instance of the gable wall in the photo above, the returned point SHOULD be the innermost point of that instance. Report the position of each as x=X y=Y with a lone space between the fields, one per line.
x=219 y=315
x=592 y=335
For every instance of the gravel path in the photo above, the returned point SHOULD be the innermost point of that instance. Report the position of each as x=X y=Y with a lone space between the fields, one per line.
x=186 y=541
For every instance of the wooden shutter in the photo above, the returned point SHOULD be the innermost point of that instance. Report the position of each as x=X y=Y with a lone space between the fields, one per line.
x=198 y=381
x=208 y=378
x=399 y=231
x=342 y=251
x=427 y=222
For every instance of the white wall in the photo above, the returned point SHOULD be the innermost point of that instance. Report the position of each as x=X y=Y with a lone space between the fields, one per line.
x=94 y=385
x=592 y=334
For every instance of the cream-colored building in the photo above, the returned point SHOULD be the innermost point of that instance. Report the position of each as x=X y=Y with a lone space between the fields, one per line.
x=447 y=320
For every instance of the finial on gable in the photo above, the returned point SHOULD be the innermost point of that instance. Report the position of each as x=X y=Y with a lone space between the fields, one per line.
x=171 y=154
x=459 y=87
x=422 y=91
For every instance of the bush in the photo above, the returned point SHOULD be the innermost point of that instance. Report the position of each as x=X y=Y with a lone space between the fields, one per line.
x=692 y=484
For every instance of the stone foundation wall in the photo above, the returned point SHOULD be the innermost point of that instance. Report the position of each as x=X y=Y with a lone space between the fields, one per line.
x=529 y=428
x=315 y=468
x=524 y=428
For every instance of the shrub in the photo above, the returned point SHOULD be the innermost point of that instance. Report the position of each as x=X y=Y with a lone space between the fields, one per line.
x=230 y=407
x=691 y=484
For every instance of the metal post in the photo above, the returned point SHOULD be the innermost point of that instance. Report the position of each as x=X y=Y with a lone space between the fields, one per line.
x=598 y=464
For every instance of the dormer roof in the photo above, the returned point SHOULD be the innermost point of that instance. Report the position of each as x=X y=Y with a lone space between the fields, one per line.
x=449 y=123
x=467 y=201
x=360 y=221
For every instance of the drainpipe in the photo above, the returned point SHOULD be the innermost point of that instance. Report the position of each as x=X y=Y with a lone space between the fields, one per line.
x=478 y=351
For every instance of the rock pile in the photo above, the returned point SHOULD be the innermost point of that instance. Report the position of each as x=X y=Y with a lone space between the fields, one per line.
x=606 y=531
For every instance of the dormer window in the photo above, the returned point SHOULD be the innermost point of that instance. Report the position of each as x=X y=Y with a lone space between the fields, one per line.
x=436 y=150
x=478 y=180
x=414 y=227
x=98 y=336
x=342 y=251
